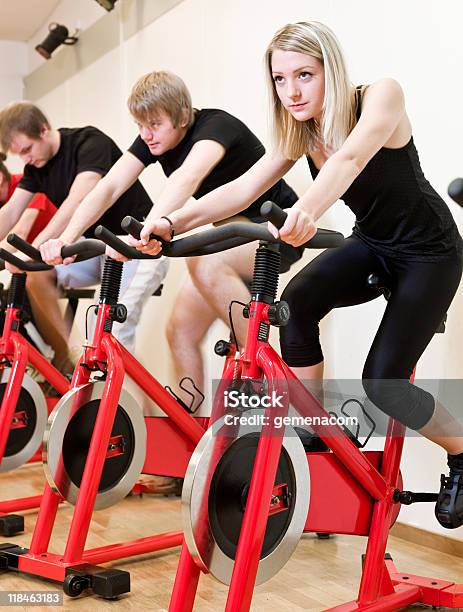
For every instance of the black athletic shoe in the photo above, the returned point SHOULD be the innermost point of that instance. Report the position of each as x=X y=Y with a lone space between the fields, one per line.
x=449 y=505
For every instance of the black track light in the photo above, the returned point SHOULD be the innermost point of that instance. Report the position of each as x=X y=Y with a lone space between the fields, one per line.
x=57 y=35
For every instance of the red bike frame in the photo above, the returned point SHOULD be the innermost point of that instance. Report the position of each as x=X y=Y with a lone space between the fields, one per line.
x=104 y=353
x=382 y=587
x=16 y=351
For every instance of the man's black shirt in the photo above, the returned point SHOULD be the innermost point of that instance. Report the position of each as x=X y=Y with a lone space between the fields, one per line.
x=242 y=150
x=81 y=150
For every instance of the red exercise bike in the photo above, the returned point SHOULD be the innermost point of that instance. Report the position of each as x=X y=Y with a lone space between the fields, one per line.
x=24 y=409
x=249 y=493
x=96 y=445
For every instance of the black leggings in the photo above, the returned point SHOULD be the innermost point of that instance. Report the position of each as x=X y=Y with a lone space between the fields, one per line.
x=421 y=292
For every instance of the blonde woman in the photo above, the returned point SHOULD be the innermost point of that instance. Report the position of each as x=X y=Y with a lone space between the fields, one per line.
x=359 y=146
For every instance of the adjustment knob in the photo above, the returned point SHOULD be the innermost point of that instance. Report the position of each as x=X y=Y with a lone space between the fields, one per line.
x=118 y=313
x=222 y=348
x=279 y=314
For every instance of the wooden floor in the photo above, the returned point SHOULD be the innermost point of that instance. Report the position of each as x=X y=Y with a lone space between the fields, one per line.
x=320 y=574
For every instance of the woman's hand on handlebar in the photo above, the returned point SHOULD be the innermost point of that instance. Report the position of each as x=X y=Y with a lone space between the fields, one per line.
x=298 y=228
x=159 y=227
x=51 y=252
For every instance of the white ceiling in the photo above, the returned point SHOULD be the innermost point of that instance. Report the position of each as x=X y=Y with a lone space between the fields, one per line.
x=19 y=19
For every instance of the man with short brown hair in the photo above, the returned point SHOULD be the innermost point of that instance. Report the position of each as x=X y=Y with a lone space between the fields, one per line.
x=66 y=164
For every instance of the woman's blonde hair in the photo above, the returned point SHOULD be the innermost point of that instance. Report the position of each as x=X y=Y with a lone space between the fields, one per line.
x=296 y=138
x=161 y=91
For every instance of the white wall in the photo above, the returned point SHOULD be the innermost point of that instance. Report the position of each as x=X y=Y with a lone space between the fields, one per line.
x=13 y=68
x=217 y=47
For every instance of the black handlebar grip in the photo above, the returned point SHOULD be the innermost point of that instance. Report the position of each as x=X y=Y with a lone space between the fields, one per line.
x=273 y=213
x=24 y=247
x=26 y=266
x=84 y=249
x=455 y=191
x=120 y=246
x=133 y=227
x=325 y=239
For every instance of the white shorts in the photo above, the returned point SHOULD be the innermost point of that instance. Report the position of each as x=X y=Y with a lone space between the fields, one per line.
x=140 y=279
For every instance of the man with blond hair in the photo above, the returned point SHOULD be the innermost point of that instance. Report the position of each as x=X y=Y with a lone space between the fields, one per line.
x=198 y=150
x=66 y=164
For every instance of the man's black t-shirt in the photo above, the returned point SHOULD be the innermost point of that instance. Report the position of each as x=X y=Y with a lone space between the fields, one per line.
x=242 y=150
x=85 y=149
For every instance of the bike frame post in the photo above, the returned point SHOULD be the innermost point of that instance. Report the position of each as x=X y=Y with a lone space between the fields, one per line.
x=260 y=493
x=96 y=454
x=186 y=582
x=12 y=390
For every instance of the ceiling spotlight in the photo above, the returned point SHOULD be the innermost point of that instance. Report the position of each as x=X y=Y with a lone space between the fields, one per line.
x=57 y=35
x=107 y=4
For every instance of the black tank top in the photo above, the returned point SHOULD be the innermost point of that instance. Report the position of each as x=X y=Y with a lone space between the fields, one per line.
x=397 y=211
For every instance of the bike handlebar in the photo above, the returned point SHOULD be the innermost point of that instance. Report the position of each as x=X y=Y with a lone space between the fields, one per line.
x=84 y=249
x=133 y=227
x=24 y=247
x=191 y=246
x=273 y=213
x=216 y=239
x=26 y=266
